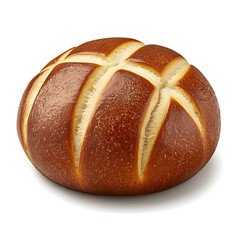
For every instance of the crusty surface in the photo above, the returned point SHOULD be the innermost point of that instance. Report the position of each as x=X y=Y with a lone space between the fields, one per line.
x=109 y=152
x=115 y=116
x=50 y=122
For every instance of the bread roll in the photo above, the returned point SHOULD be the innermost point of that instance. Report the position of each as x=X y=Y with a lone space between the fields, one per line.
x=115 y=116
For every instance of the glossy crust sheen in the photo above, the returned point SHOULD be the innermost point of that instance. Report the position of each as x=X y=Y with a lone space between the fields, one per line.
x=109 y=156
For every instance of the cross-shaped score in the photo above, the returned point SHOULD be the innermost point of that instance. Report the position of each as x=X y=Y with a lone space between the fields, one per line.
x=165 y=84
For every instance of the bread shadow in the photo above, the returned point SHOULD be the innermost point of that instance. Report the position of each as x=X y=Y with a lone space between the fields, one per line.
x=181 y=194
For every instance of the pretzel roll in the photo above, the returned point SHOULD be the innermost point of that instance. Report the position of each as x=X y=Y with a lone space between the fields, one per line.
x=115 y=116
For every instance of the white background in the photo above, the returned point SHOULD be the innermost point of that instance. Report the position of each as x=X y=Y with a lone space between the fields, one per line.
x=206 y=33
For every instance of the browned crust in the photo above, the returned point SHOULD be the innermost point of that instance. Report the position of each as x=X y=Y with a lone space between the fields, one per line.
x=49 y=136
x=21 y=110
x=154 y=56
x=177 y=153
x=109 y=155
x=101 y=47
x=197 y=86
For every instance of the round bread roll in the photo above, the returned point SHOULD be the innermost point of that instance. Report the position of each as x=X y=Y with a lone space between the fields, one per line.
x=115 y=116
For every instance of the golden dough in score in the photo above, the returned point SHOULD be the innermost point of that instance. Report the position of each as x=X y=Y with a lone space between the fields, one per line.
x=115 y=116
